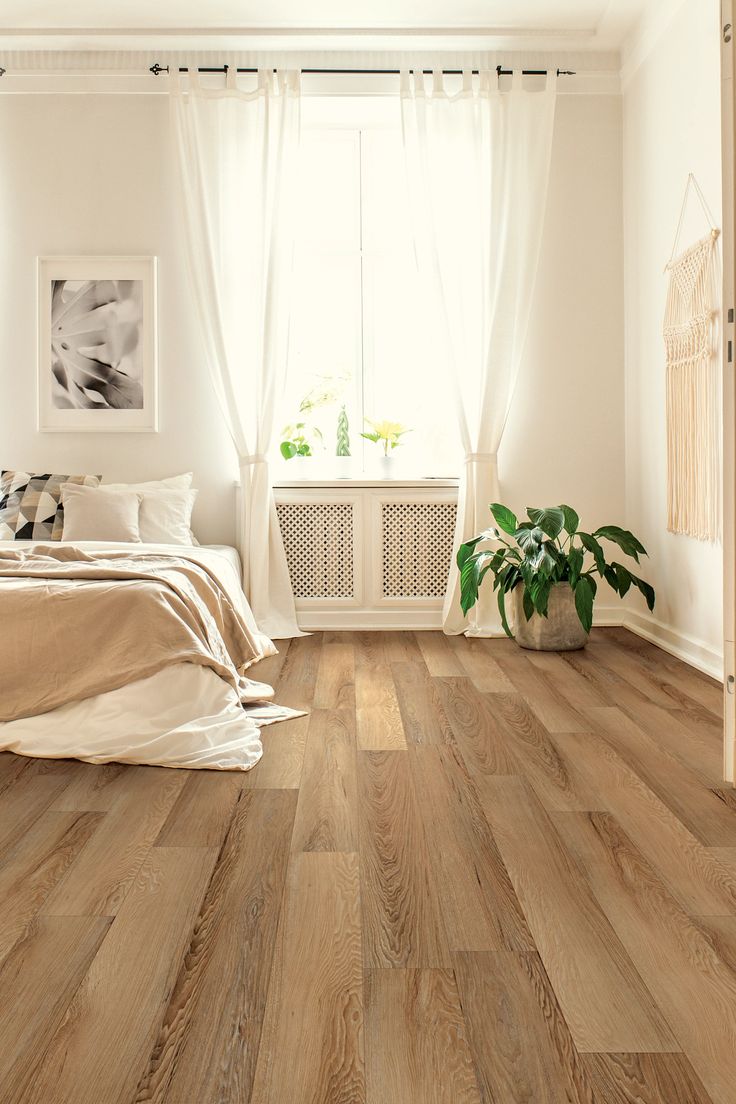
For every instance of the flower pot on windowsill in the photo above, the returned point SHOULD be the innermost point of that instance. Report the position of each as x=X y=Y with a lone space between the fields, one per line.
x=385 y=466
x=559 y=631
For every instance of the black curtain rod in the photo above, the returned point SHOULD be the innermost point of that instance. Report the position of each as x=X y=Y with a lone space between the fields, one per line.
x=156 y=69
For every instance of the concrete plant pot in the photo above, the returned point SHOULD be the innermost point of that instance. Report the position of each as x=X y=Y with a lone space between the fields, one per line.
x=560 y=631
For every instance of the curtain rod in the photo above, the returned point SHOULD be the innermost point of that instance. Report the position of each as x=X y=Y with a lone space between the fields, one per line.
x=156 y=69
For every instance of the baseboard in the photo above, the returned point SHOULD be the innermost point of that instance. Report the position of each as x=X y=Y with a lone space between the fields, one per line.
x=688 y=648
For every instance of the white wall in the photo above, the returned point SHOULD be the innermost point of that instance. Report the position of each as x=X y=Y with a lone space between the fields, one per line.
x=671 y=127
x=93 y=174
x=564 y=437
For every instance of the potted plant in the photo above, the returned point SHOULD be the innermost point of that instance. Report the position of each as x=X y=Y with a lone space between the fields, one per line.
x=388 y=435
x=299 y=440
x=550 y=569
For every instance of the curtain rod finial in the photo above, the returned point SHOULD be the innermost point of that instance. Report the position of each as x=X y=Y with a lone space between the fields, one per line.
x=156 y=69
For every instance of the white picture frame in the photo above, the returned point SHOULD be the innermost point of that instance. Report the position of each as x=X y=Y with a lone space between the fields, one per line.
x=112 y=303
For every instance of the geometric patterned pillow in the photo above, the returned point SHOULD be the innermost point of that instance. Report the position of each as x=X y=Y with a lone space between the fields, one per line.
x=30 y=506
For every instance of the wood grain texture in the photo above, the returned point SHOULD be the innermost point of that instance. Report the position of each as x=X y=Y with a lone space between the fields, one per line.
x=476 y=728
x=517 y=885
x=478 y=902
x=542 y=694
x=440 y=658
x=36 y=865
x=402 y=921
x=101 y=1048
x=700 y=882
x=644 y=1079
x=203 y=810
x=37 y=983
x=96 y=885
x=602 y=997
x=207 y=1045
x=554 y=776
x=416 y=1040
x=380 y=727
x=676 y=786
x=694 y=988
x=327 y=813
x=422 y=714
x=316 y=989
x=520 y=1042
x=335 y=686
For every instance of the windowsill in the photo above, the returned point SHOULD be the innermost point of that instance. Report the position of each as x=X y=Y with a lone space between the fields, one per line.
x=366 y=481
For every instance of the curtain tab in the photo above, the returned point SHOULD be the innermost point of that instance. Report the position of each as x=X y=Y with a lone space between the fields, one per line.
x=467 y=80
x=551 y=85
x=517 y=78
x=438 y=83
x=231 y=77
x=481 y=457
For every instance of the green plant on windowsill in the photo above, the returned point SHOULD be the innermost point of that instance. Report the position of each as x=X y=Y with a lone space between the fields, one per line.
x=550 y=557
x=386 y=434
x=299 y=440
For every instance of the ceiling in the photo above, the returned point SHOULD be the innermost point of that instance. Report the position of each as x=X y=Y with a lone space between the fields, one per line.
x=577 y=24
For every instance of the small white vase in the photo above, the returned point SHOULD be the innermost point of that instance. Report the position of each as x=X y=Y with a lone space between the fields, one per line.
x=386 y=466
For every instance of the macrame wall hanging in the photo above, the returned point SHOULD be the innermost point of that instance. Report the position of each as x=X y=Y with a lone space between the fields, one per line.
x=693 y=388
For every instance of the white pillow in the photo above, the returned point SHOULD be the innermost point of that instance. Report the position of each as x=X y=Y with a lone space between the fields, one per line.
x=100 y=514
x=166 y=517
x=180 y=482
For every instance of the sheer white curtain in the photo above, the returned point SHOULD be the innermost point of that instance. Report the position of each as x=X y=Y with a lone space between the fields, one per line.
x=478 y=167
x=236 y=153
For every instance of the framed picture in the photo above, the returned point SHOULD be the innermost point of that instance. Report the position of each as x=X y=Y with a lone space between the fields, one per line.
x=97 y=347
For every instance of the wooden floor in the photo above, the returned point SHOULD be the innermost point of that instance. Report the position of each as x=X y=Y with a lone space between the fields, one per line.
x=471 y=874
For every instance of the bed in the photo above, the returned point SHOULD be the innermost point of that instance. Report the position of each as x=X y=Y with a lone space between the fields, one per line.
x=193 y=705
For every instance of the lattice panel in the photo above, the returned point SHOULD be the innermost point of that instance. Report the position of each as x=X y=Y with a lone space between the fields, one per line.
x=318 y=539
x=417 y=548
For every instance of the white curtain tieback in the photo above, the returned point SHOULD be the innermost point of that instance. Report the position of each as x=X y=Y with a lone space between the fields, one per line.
x=480 y=458
x=259 y=458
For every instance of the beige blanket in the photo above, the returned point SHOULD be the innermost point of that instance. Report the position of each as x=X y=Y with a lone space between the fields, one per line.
x=74 y=624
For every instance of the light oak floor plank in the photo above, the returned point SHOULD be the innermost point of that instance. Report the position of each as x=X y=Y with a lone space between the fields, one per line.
x=402 y=919
x=422 y=714
x=693 y=873
x=203 y=810
x=644 y=1079
x=441 y=659
x=416 y=1039
x=476 y=727
x=207 y=1045
x=694 y=988
x=98 y=881
x=101 y=1048
x=380 y=727
x=335 y=686
x=542 y=694
x=37 y=983
x=519 y=1038
x=312 y=1044
x=603 y=999
x=327 y=813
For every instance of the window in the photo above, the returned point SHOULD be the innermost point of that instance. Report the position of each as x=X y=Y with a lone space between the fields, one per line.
x=358 y=333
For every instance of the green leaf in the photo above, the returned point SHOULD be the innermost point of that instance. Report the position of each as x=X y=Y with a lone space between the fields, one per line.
x=465 y=550
x=646 y=590
x=626 y=541
x=591 y=544
x=287 y=449
x=575 y=559
x=528 y=604
x=584 y=596
x=539 y=593
x=609 y=574
x=504 y=518
x=572 y=520
x=529 y=538
x=624 y=578
x=551 y=519
x=502 y=611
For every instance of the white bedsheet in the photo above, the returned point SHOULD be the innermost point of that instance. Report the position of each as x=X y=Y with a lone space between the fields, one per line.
x=183 y=716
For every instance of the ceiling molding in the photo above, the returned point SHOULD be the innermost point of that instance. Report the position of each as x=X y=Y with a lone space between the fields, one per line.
x=653 y=24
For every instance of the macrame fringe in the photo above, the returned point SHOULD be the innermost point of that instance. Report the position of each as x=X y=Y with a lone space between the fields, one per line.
x=693 y=394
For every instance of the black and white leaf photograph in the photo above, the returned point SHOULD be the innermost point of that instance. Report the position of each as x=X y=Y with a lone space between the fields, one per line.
x=96 y=354
x=97 y=366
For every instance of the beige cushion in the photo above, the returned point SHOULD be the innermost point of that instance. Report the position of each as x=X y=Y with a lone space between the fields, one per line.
x=100 y=514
